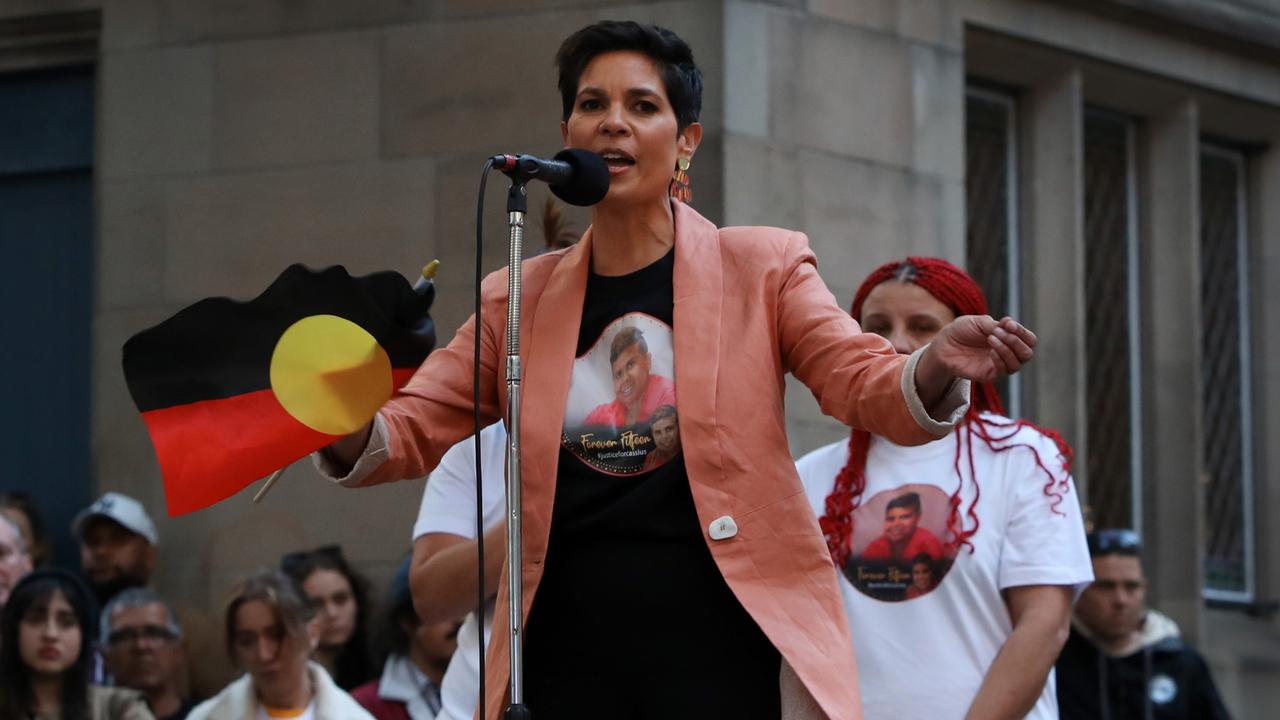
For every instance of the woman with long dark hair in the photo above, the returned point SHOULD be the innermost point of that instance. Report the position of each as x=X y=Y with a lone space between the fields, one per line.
x=958 y=558
x=698 y=587
x=341 y=599
x=46 y=655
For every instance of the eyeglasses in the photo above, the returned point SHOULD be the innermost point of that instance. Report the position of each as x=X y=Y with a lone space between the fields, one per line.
x=1114 y=541
x=153 y=634
x=295 y=560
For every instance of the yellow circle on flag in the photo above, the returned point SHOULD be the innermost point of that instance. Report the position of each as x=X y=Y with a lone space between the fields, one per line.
x=330 y=374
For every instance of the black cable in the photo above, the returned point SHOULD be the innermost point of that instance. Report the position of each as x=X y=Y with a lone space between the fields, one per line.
x=475 y=397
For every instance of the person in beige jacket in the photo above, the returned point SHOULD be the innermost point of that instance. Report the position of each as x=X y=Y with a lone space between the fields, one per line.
x=271 y=633
x=46 y=654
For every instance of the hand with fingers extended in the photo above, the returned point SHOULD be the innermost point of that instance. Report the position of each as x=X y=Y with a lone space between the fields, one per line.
x=973 y=347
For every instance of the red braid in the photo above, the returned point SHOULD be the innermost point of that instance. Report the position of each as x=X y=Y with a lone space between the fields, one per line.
x=959 y=292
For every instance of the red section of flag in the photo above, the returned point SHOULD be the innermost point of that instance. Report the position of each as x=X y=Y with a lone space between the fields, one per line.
x=213 y=449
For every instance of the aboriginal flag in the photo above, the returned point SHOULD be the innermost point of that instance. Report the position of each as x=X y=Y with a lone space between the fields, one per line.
x=232 y=391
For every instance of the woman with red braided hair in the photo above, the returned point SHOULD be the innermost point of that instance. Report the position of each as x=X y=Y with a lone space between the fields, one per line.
x=959 y=559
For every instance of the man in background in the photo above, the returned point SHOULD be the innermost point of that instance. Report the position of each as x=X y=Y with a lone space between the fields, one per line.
x=1123 y=660
x=142 y=646
x=118 y=545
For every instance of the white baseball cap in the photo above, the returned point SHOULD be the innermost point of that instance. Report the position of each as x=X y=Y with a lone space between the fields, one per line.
x=122 y=509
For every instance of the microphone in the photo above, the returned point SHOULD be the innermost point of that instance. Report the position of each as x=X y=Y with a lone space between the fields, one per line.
x=576 y=176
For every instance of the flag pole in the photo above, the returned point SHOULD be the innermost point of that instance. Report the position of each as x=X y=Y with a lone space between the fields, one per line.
x=266 y=487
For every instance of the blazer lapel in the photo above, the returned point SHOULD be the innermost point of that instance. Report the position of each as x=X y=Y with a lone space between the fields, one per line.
x=549 y=345
x=699 y=293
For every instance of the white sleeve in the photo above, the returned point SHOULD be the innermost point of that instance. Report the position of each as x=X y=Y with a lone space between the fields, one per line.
x=1044 y=540
x=449 y=498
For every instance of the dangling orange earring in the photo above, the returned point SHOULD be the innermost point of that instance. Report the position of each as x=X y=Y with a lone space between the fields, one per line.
x=679 y=188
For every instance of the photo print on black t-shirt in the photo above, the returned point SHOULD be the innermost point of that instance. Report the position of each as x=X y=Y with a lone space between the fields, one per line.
x=620 y=417
x=897 y=549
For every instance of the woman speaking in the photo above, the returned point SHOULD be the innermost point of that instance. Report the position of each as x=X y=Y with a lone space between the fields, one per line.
x=696 y=584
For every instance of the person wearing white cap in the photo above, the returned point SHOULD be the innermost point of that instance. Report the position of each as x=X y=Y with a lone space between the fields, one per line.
x=118 y=544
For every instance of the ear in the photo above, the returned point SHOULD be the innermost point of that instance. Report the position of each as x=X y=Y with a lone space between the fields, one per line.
x=564 y=132
x=688 y=139
x=153 y=553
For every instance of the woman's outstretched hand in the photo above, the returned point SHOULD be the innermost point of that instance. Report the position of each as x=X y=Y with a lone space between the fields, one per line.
x=974 y=347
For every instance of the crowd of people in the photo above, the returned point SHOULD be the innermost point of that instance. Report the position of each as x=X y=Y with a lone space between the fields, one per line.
x=679 y=562
x=101 y=643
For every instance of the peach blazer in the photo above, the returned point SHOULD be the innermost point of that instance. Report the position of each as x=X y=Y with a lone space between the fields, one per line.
x=749 y=307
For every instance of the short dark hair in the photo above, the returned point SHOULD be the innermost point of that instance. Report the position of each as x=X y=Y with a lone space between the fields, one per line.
x=625 y=338
x=681 y=78
x=1114 y=541
x=908 y=500
x=133 y=598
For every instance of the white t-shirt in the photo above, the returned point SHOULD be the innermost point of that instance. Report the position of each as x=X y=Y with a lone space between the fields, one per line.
x=449 y=506
x=927 y=618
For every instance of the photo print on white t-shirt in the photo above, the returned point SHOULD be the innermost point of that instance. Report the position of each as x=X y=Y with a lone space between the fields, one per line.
x=621 y=417
x=898 y=550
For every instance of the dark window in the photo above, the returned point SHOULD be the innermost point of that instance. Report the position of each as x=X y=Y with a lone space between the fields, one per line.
x=1224 y=376
x=991 y=208
x=1112 y=462
x=46 y=244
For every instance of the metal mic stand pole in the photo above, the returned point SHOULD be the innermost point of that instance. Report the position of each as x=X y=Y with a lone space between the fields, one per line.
x=517 y=206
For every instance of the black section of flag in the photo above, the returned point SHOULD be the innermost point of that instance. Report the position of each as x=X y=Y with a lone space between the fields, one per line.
x=219 y=348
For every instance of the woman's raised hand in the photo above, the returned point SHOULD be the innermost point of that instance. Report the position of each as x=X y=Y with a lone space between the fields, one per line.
x=974 y=347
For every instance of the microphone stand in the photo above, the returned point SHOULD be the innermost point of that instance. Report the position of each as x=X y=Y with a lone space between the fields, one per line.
x=517 y=206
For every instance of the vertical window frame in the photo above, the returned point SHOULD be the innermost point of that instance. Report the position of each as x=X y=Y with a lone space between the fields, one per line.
x=1133 y=309
x=1013 y=265
x=1237 y=158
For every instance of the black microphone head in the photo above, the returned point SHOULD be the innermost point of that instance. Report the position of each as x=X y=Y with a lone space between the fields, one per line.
x=590 y=182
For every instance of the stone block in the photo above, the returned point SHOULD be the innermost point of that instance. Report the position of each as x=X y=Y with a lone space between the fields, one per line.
x=296 y=100
x=934 y=22
x=233 y=234
x=937 y=99
x=26 y=8
x=187 y=21
x=746 y=69
x=841 y=90
x=465 y=8
x=860 y=215
x=450 y=86
x=155 y=113
x=761 y=183
x=131 y=242
x=437 y=98
x=130 y=24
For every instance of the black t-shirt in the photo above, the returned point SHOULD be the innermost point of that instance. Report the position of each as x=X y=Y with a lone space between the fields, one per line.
x=631 y=607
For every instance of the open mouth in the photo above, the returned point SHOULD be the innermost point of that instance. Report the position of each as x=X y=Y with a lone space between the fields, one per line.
x=617 y=160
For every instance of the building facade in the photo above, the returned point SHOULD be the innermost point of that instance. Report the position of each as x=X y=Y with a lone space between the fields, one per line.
x=1107 y=168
